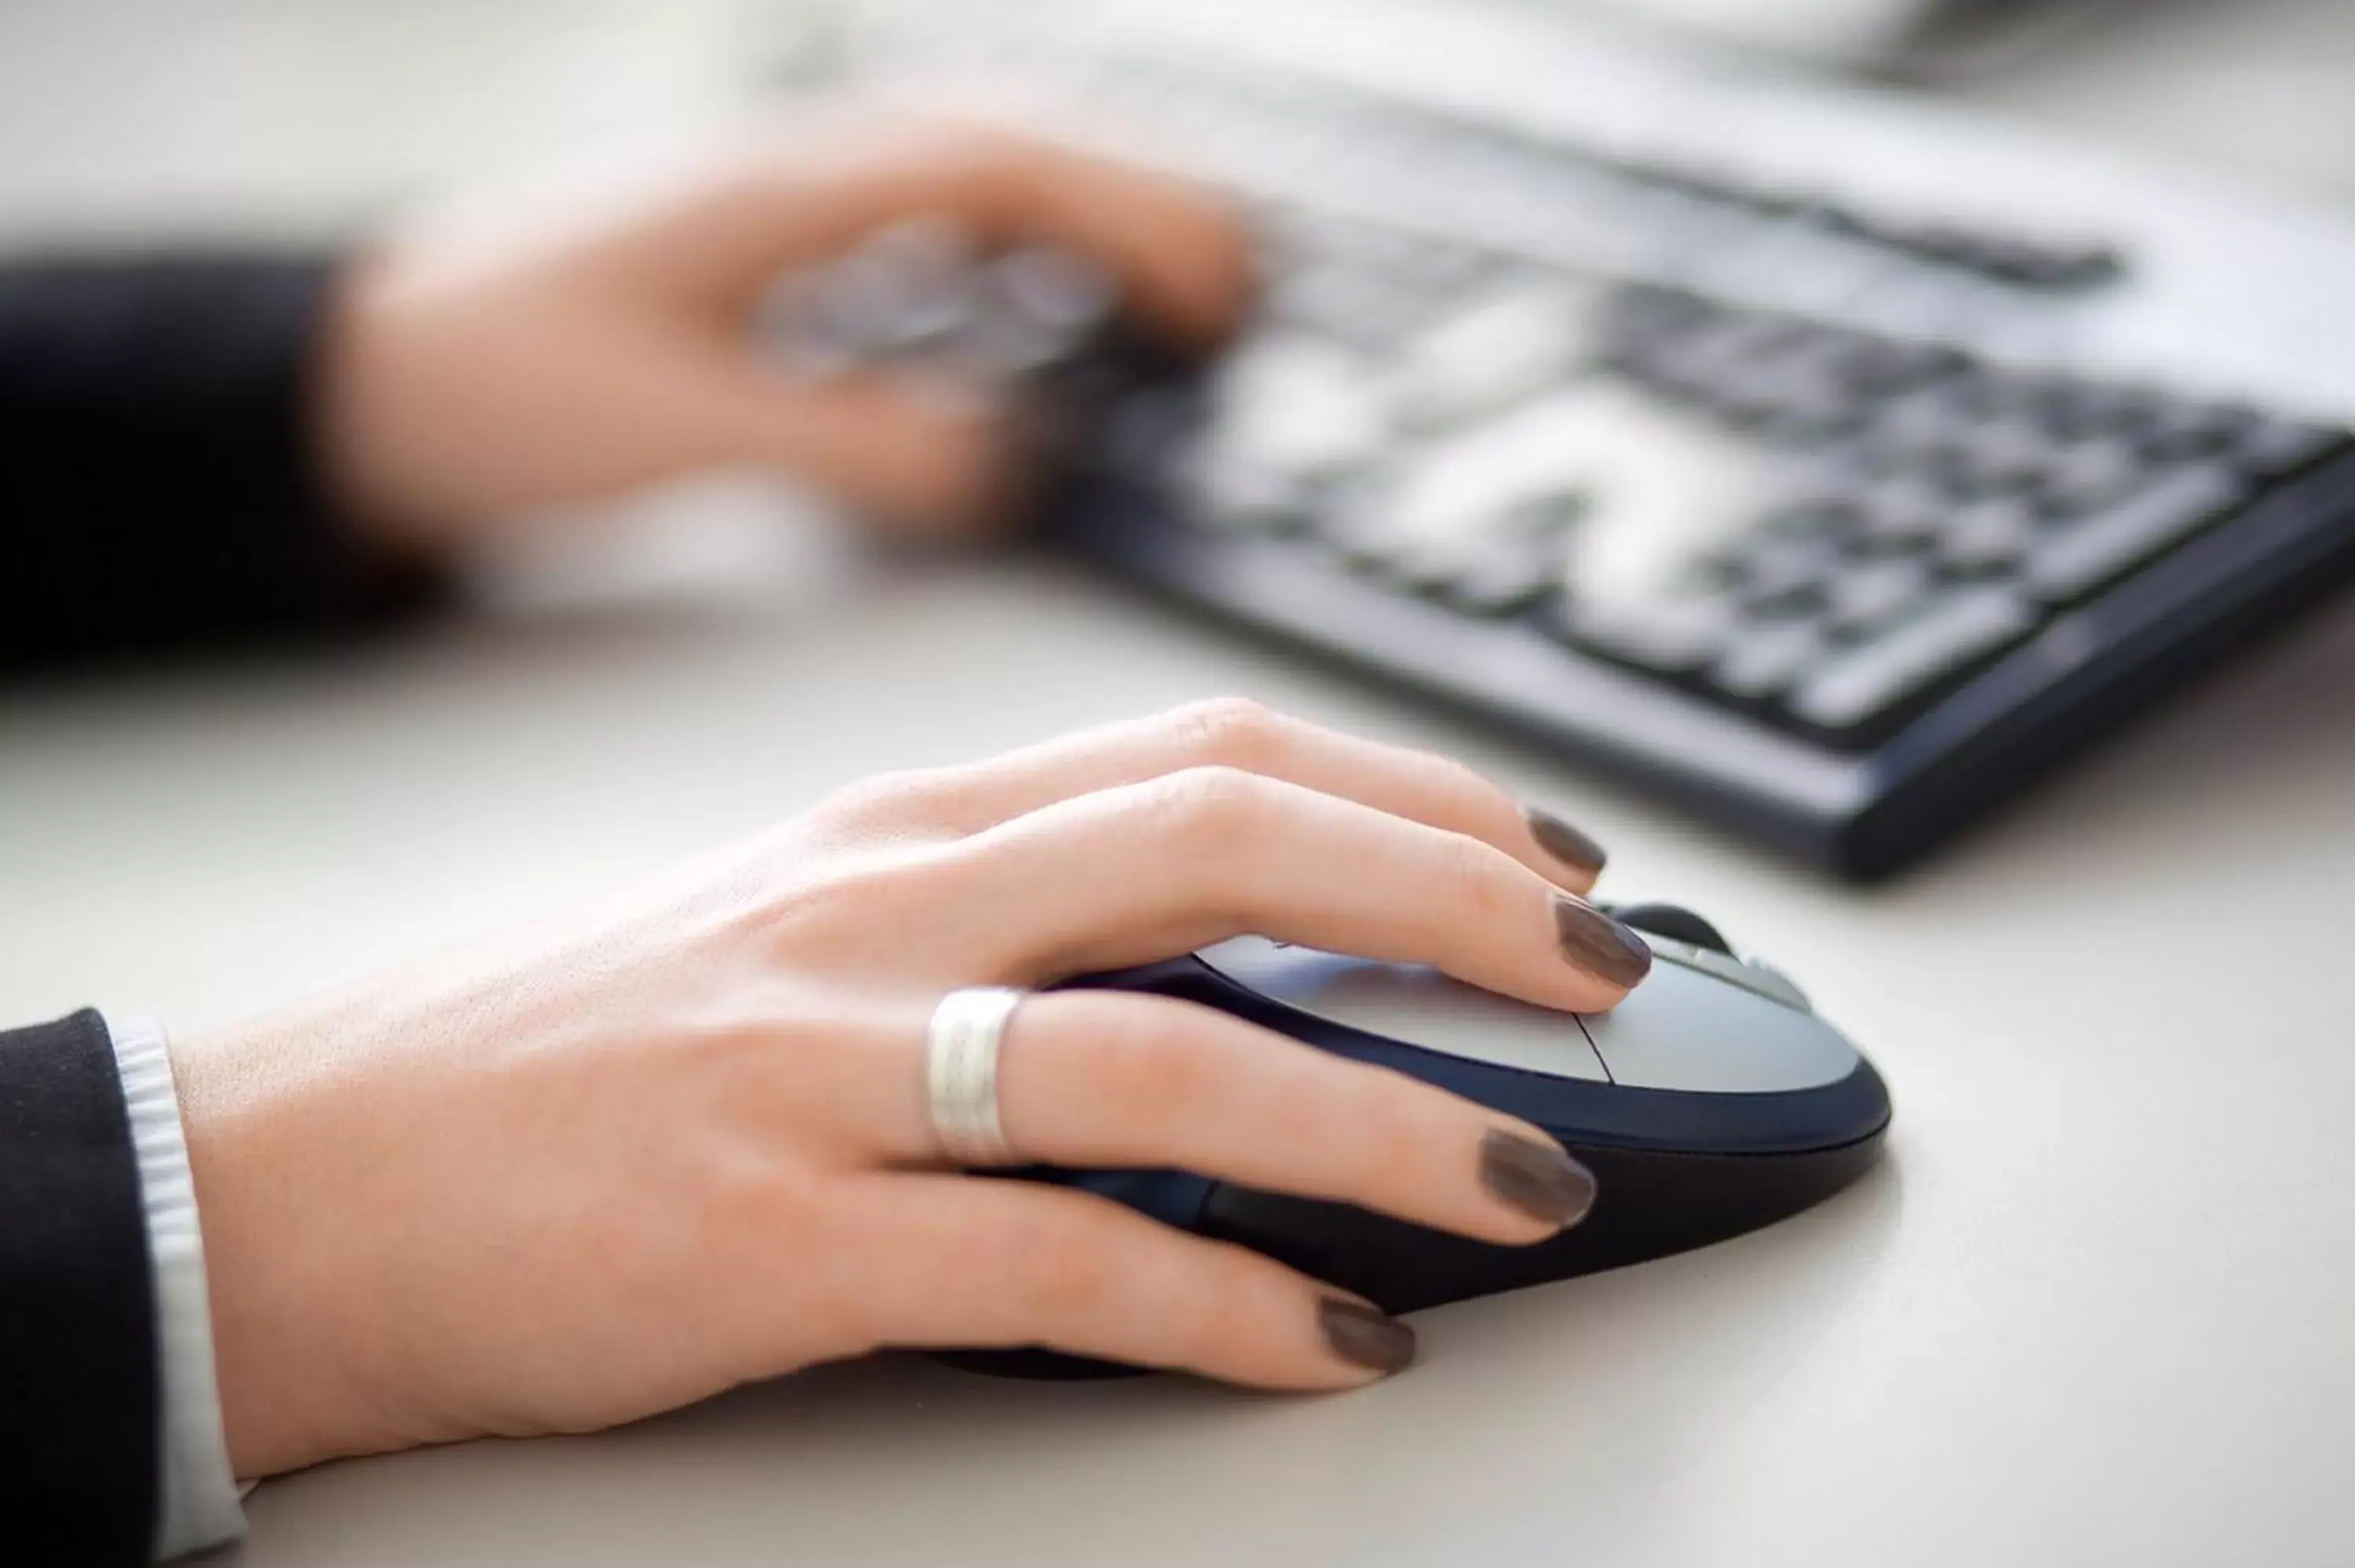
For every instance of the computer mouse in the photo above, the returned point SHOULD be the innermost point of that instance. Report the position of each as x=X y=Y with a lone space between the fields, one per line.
x=1711 y=1102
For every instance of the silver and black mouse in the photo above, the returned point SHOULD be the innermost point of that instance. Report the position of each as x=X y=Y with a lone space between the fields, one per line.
x=1712 y=1101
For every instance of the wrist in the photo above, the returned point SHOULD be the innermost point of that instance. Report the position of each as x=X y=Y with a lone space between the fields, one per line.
x=271 y=1271
x=374 y=389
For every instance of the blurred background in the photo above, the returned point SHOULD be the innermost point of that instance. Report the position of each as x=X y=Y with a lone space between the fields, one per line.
x=210 y=114
x=143 y=122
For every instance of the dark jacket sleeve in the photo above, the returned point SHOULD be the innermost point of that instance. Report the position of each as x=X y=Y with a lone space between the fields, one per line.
x=158 y=482
x=79 y=1381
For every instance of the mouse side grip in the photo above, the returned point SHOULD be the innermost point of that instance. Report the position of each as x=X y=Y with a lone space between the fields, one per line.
x=1648 y=1206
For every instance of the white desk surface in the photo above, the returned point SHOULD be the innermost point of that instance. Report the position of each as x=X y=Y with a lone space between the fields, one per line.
x=2094 y=1306
x=2098 y=1306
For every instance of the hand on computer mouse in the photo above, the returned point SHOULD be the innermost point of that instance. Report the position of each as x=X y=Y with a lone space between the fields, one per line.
x=578 y=356
x=679 y=1140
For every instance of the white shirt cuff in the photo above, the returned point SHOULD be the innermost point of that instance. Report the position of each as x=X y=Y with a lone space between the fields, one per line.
x=199 y=1498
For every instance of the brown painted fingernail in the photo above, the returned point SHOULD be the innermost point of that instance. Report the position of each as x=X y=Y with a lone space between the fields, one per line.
x=1536 y=1177
x=1364 y=1335
x=1564 y=842
x=1598 y=944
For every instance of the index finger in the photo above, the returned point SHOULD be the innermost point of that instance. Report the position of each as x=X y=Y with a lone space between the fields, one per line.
x=1233 y=732
x=1145 y=871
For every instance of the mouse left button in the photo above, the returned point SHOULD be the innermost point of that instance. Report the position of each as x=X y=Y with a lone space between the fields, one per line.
x=1412 y=1005
x=1685 y=1029
x=1677 y=924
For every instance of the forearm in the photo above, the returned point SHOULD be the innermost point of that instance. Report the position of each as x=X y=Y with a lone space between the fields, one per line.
x=159 y=476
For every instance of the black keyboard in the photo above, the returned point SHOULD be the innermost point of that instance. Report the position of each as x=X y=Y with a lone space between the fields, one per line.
x=1865 y=523
x=1838 y=585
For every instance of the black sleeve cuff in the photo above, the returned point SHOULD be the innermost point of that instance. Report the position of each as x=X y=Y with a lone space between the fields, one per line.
x=159 y=481
x=79 y=1384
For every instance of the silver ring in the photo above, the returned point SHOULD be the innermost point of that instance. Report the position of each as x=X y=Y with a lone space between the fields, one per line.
x=961 y=1073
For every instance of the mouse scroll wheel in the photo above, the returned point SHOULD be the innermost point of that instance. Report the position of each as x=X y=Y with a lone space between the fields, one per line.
x=1676 y=925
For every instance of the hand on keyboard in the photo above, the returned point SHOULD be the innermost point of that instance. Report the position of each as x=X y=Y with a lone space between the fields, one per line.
x=575 y=358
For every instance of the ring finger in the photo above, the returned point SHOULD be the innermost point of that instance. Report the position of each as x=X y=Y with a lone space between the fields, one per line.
x=1097 y=1079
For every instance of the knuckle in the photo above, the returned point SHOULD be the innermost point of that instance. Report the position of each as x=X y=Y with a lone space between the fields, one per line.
x=871 y=884
x=885 y=800
x=1236 y=731
x=1460 y=778
x=855 y=896
x=1209 y=809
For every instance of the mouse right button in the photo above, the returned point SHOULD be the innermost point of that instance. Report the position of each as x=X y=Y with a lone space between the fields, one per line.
x=1682 y=1029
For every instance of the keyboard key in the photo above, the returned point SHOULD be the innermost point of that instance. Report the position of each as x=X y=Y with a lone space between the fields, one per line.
x=1781 y=570
x=1953 y=630
x=2275 y=446
x=1865 y=595
x=1763 y=660
x=1325 y=299
x=1640 y=318
x=1713 y=362
x=1879 y=368
x=2077 y=409
x=1931 y=425
x=2081 y=556
x=1987 y=536
x=2175 y=430
x=2024 y=263
x=1490 y=563
x=1240 y=497
x=1297 y=407
x=1443 y=497
x=1800 y=409
x=1826 y=514
x=2090 y=474
x=1671 y=635
x=1989 y=393
x=1504 y=578
x=1659 y=489
x=2001 y=454
x=2085 y=267
x=1495 y=352
x=1347 y=297
x=1902 y=514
